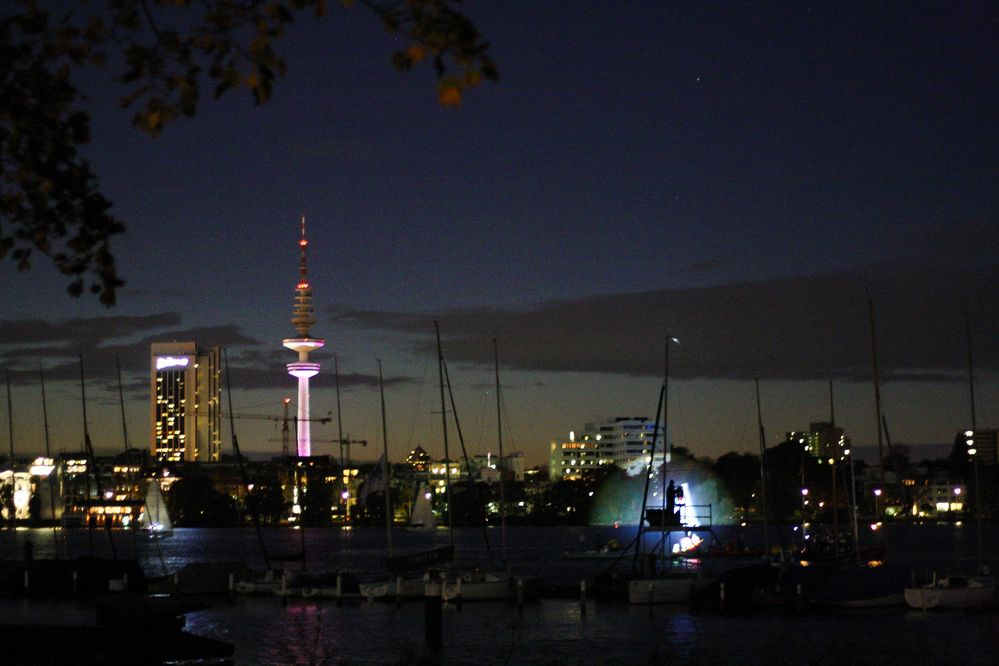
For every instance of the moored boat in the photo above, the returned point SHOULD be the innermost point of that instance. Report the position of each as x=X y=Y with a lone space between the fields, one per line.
x=675 y=587
x=952 y=592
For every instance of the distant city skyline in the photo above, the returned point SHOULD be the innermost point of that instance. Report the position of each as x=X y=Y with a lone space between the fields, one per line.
x=744 y=178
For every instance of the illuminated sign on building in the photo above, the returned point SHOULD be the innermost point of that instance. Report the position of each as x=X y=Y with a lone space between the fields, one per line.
x=164 y=362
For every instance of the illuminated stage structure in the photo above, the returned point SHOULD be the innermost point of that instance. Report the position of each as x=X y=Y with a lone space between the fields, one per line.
x=302 y=318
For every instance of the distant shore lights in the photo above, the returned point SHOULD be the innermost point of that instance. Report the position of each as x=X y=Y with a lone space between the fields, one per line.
x=302 y=318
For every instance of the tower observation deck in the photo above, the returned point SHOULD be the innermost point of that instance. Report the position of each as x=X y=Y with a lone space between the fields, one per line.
x=302 y=318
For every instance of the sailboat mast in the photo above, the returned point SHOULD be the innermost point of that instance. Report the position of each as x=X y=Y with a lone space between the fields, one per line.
x=242 y=468
x=447 y=456
x=10 y=432
x=502 y=459
x=339 y=421
x=974 y=427
x=91 y=459
x=385 y=471
x=10 y=418
x=853 y=481
x=877 y=389
x=971 y=369
x=763 y=469
x=48 y=454
x=877 y=408
x=121 y=402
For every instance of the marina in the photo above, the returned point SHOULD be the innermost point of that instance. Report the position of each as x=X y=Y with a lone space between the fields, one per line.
x=560 y=625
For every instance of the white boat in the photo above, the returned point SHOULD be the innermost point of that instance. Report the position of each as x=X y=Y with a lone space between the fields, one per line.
x=271 y=582
x=155 y=518
x=952 y=592
x=487 y=586
x=422 y=517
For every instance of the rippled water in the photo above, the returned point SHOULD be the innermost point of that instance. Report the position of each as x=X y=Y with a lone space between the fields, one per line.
x=549 y=631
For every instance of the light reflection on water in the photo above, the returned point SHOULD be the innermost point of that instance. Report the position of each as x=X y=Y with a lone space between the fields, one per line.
x=555 y=632
x=550 y=631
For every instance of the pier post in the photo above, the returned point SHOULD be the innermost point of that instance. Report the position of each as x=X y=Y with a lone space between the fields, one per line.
x=457 y=593
x=799 y=600
x=232 y=584
x=339 y=590
x=433 y=612
x=76 y=585
x=582 y=597
x=652 y=598
x=27 y=580
x=520 y=595
x=721 y=597
x=398 y=590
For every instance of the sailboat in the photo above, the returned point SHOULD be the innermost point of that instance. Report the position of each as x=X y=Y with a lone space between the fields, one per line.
x=960 y=591
x=470 y=585
x=155 y=518
x=856 y=580
x=398 y=584
x=496 y=584
x=673 y=584
x=422 y=516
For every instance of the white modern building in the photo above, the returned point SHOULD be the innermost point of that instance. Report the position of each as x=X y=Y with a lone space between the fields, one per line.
x=619 y=441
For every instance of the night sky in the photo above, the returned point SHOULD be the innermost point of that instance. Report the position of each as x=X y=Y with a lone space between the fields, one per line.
x=742 y=176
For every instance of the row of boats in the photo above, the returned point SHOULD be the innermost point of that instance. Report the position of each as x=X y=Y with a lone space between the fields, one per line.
x=473 y=585
x=831 y=584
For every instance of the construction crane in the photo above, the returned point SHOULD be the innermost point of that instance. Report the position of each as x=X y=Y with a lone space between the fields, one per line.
x=346 y=442
x=285 y=419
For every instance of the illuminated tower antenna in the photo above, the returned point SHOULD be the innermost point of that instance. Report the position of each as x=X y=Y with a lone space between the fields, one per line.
x=302 y=318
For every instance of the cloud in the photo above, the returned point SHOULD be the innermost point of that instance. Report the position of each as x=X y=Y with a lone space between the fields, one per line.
x=84 y=332
x=704 y=266
x=104 y=343
x=793 y=328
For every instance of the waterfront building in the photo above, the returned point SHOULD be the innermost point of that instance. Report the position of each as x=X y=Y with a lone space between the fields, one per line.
x=302 y=318
x=185 y=402
x=823 y=441
x=418 y=460
x=938 y=499
x=620 y=441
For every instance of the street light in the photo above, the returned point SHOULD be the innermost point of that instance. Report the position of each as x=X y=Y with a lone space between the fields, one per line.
x=877 y=498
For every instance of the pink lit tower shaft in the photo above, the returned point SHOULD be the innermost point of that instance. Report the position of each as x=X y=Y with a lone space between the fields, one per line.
x=302 y=318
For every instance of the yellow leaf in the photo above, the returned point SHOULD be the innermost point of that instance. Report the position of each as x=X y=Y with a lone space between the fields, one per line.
x=449 y=96
x=416 y=53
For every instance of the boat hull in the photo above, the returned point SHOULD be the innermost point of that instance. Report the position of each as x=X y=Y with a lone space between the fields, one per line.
x=952 y=593
x=467 y=587
x=677 y=589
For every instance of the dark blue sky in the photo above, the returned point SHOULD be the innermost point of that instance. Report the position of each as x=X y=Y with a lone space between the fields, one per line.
x=736 y=174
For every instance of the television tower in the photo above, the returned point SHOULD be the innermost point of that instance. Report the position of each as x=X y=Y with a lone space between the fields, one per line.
x=302 y=318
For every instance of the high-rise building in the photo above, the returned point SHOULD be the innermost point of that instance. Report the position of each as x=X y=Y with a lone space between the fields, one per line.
x=185 y=402
x=302 y=318
x=823 y=441
x=619 y=441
